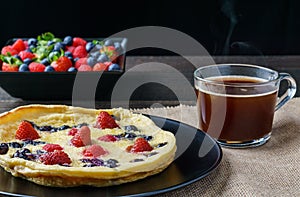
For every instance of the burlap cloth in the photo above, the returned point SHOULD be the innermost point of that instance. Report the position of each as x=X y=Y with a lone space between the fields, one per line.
x=269 y=170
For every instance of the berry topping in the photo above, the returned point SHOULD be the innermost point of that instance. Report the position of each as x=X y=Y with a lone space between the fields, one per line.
x=3 y=148
x=26 y=131
x=104 y=121
x=36 y=67
x=15 y=145
x=24 y=154
x=94 y=151
x=52 y=147
x=108 y=138
x=82 y=137
x=114 y=67
x=73 y=131
x=9 y=67
x=100 y=67
x=92 y=162
x=140 y=145
x=80 y=62
x=56 y=157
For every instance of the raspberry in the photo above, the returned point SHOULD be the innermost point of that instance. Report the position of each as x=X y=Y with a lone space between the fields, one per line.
x=140 y=145
x=78 y=42
x=73 y=131
x=55 y=157
x=104 y=120
x=25 y=54
x=85 y=67
x=26 y=131
x=19 y=45
x=36 y=67
x=62 y=64
x=81 y=61
x=52 y=147
x=70 y=48
x=9 y=68
x=100 y=67
x=94 y=151
x=82 y=137
x=80 y=52
x=8 y=49
x=108 y=138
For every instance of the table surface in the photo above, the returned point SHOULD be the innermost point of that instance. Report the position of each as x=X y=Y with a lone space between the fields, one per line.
x=166 y=94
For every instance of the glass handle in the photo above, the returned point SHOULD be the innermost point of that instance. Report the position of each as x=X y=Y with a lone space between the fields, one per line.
x=289 y=93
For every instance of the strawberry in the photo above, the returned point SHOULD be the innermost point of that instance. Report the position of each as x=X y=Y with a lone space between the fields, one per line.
x=52 y=147
x=36 y=67
x=8 y=49
x=62 y=64
x=108 y=138
x=55 y=157
x=19 y=45
x=80 y=52
x=78 y=42
x=94 y=151
x=81 y=61
x=25 y=54
x=100 y=67
x=104 y=120
x=85 y=67
x=26 y=131
x=82 y=137
x=140 y=145
x=70 y=48
x=73 y=131
x=9 y=67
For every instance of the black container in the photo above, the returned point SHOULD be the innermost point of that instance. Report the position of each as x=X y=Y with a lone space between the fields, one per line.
x=60 y=85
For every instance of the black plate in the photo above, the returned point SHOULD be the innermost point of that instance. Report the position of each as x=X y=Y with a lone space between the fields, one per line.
x=59 y=85
x=197 y=155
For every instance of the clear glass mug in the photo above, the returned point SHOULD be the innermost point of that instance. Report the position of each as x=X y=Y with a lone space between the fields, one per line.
x=236 y=102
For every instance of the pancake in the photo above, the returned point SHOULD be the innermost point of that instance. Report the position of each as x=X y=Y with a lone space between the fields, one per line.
x=117 y=159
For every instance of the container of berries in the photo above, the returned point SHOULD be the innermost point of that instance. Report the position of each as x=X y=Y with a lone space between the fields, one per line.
x=45 y=67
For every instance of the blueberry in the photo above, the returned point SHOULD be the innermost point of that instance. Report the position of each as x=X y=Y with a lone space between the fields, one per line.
x=18 y=57
x=32 y=47
x=54 y=55
x=45 y=128
x=58 y=46
x=103 y=58
x=23 y=68
x=72 y=69
x=50 y=42
x=15 y=145
x=96 y=48
x=49 y=69
x=23 y=153
x=161 y=144
x=114 y=67
x=68 y=54
x=95 y=54
x=27 y=61
x=136 y=160
x=118 y=47
x=45 y=61
x=89 y=46
x=147 y=137
x=76 y=59
x=108 y=42
x=28 y=50
x=130 y=136
x=3 y=148
x=64 y=127
x=111 y=163
x=68 y=40
x=91 y=61
x=131 y=128
x=32 y=41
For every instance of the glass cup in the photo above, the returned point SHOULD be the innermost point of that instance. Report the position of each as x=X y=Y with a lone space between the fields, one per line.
x=236 y=102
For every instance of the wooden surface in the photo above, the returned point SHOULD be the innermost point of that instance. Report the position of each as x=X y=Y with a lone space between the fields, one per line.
x=166 y=80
